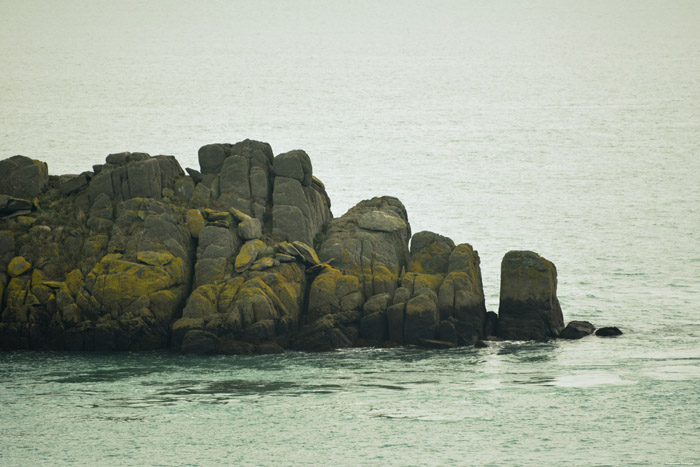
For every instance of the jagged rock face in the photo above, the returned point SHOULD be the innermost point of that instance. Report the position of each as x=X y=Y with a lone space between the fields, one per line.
x=301 y=209
x=370 y=242
x=254 y=308
x=441 y=294
x=133 y=175
x=529 y=308
x=109 y=260
x=138 y=255
x=22 y=177
x=368 y=250
x=238 y=176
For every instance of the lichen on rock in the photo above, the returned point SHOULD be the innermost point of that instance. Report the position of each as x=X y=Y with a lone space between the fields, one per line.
x=241 y=256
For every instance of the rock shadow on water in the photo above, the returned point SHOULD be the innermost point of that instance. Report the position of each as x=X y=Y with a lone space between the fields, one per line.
x=226 y=390
x=100 y=376
x=528 y=352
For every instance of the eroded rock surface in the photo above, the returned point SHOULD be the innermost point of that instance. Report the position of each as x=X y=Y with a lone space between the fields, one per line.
x=529 y=308
x=241 y=256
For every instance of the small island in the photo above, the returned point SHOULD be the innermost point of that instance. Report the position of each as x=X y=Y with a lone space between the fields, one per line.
x=243 y=256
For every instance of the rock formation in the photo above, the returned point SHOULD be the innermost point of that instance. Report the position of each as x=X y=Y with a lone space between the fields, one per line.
x=242 y=256
x=529 y=307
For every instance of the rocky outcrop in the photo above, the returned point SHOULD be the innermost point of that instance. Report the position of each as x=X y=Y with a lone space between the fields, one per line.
x=367 y=251
x=301 y=207
x=241 y=256
x=529 y=308
x=238 y=176
x=442 y=293
x=22 y=177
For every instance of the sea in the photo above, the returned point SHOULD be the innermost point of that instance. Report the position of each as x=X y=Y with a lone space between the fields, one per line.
x=564 y=127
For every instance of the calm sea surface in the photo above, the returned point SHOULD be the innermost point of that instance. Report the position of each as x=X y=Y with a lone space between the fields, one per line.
x=569 y=128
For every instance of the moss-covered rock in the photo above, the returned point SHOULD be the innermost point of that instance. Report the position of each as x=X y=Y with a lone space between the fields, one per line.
x=375 y=256
x=529 y=308
x=195 y=222
x=18 y=266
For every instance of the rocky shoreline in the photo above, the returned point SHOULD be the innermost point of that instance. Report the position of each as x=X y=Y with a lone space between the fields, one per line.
x=243 y=256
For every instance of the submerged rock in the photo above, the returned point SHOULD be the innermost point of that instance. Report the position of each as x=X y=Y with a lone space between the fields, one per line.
x=608 y=331
x=577 y=330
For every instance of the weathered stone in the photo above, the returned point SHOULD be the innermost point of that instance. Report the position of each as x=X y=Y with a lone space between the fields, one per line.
x=608 y=331
x=26 y=221
x=210 y=270
x=141 y=177
x=10 y=205
x=18 y=266
x=421 y=319
x=248 y=254
x=376 y=304
x=211 y=158
x=430 y=253
x=294 y=164
x=22 y=177
x=183 y=188
x=262 y=264
x=250 y=228
x=308 y=254
x=395 y=315
x=373 y=328
x=290 y=250
x=155 y=258
x=195 y=222
x=301 y=207
x=529 y=308
x=577 y=330
x=216 y=242
x=461 y=294
x=199 y=342
x=375 y=257
x=72 y=183
x=380 y=221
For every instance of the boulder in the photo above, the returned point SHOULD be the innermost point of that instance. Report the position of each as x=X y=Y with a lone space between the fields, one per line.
x=577 y=330
x=249 y=228
x=300 y=211
x=18 y=266
x=294 y=164
x=69 y=184
x=430 y=253
x=421 y=318
x=248 y=254
x=529 y=308
x=134 y=175
x=333 y=313
x=245 y=313
x=239 y=175
x=22 y=177
x=195 y=222
x=14 y=206
x=608 y=331
x=376 y=257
